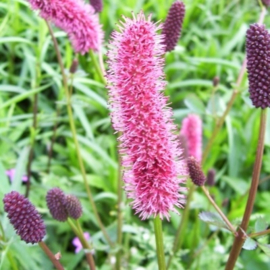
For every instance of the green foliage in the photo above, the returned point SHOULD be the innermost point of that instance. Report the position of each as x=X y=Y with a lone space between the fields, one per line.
x=212 y=44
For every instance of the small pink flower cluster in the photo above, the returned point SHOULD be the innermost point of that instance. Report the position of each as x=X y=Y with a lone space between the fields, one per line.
x=76 y=18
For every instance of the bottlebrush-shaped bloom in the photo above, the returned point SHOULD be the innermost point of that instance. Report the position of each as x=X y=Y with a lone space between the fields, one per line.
x=258 y=62
x=149 y=149
x=173 y=25
x=76 y=18
x=97 y=5
x=73 y=206
x=195 y=172
x=56 y=201
x=192 y=130
x=24 y=218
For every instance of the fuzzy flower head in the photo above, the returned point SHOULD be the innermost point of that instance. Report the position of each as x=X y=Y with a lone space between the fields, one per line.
x=173 y=25
x=266 y=2
x=76 y=18
x=24 y=218
x=192 y=130
x=258 y=62
x=149 y=149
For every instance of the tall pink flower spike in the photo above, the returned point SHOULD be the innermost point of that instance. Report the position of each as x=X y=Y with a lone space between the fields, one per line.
x=76 y=18
x=152 y=169
x=192 y=130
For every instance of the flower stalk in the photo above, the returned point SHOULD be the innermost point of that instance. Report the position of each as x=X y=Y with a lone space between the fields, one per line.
x=159 y=243
x=240 y=238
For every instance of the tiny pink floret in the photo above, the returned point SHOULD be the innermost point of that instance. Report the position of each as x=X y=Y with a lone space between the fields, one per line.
x=192 y=130
x=76 y=18
x=152 y=169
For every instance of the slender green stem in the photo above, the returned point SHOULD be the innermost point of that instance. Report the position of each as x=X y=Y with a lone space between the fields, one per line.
x=228 y=223
x=178 y=241
x=77 y=229
x=240 y=238
x=119 y=214
x=259 y=233
x=74 y=135
x=51 y=256
x=97 y=67
x=159 y=243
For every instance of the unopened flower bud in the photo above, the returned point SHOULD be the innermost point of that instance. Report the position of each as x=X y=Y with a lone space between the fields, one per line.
x=97 y=5
x=258 y=62
x=24 y=217
x=173 y=25
x=73 y=206
x=74 y=66
x=195 y=172
x=56 y=201
x=266 y=2
x=215 y=81
x=210 y=179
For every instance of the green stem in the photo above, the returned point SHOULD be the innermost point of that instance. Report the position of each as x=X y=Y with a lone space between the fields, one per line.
x=12 y=261
x=119 y=214
x=74 y=135
x=51 y=256
x=259 y=233
x=240 y=238
x=87 y=248
x=178 y=241
x=159 y=243
x=97 y=67
x=228 y=223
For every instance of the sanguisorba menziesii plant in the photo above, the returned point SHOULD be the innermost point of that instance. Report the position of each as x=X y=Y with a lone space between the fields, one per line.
x=149 y=149
x=258 y=60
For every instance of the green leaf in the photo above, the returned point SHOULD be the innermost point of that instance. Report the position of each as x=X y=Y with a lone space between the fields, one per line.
x=260 y=224
x=265 y=248
x=194 y=104
x=250 y=244
x=213 y=219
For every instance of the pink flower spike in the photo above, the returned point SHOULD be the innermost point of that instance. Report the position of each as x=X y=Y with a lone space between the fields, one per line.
x=192 y=130
x=152 y=169
x=76 y=18
x=77 y=243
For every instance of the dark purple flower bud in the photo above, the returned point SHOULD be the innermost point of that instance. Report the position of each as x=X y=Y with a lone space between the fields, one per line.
x=24 y=217
x=258 y=64
x=195 y=172
x=73 y=206
x=266 y=2
x=173 y=25
x=56 y=201
x=97 y=5
x=215 y=81
x=73 y=66
x=210 y=179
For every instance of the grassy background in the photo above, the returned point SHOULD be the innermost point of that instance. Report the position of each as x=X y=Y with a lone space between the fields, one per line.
x=212 y=44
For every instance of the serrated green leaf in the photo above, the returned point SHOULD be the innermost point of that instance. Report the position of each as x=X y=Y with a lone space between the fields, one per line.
x=260 y=224
x=213 y=218
x=250 y=244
